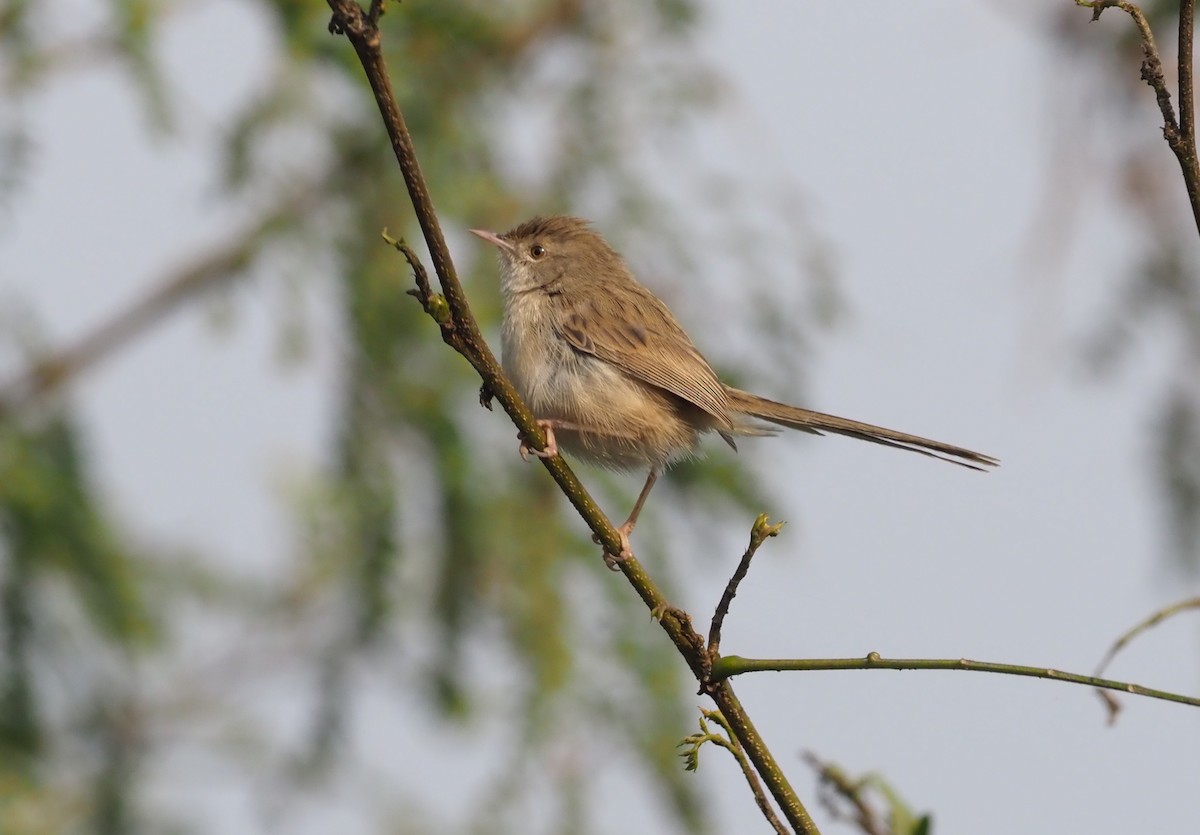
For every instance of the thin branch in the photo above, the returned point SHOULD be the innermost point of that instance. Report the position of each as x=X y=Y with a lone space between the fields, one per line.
x=729 y=742
x=433 y=303
x=758 y=535
x=1187 y=114
x=376 y=12
x=1126 y=637
x=1185 y=148
x=350 y=19
x=734 y=665
x=1180 y=132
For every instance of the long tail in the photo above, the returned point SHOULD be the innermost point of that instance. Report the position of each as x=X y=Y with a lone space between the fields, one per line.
x=793 y=417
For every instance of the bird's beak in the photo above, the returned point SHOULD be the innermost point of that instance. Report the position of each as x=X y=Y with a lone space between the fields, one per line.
x=493 y=238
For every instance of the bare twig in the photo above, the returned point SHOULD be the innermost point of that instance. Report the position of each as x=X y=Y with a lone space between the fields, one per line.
x=758 y=535
x=433 y=303
x=1126 y=637
x=1184 y=145
x=1187 y=114
x=1180 y=132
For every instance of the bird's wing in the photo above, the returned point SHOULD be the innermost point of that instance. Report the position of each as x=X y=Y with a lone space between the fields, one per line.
x=633 y=330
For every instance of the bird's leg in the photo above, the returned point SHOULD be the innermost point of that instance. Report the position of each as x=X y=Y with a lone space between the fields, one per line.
x=627 y=526
x=551 y=449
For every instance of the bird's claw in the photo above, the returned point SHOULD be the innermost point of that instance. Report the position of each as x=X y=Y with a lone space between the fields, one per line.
x=613 y=561
x=663 y=609
x=551 y=449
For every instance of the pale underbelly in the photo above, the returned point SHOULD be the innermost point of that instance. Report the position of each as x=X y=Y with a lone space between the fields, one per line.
x=608 y=418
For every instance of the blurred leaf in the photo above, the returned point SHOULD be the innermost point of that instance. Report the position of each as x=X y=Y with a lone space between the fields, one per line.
x=422 y=544
x=1157 y=296
x=51 y=525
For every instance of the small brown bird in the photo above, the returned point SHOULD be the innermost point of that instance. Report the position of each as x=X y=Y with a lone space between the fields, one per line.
x=611 y=375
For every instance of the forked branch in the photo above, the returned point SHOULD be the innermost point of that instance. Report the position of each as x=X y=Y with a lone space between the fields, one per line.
x=1179 y=130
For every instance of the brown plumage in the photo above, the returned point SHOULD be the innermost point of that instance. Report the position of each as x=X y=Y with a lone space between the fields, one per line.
x=612 y=376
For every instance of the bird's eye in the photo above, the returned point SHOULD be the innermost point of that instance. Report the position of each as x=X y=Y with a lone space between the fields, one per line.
x=537 y=250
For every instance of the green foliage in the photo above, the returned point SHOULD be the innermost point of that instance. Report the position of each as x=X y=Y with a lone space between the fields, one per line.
x=692 y=743
x=420 y=483
x=53 y=526
x=55 y=542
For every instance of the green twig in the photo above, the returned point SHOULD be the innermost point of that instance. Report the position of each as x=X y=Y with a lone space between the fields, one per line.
x=734 y=665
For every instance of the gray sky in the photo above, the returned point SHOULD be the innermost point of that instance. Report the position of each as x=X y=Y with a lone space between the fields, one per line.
x=919 y=134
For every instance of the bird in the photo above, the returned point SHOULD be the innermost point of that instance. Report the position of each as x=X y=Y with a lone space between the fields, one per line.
x=612 y=377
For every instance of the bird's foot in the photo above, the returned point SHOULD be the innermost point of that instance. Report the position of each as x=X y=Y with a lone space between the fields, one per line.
x=551 y=449
x=663 y=609
x=613 y=561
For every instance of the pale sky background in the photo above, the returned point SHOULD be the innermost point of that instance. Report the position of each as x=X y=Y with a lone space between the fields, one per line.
x=919 y=134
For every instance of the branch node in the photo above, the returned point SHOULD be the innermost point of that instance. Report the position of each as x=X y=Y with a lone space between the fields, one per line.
x=378 y=10
x=435 y=304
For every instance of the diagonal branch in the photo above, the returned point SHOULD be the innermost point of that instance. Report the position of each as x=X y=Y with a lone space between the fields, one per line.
x=350 y=20
x=1185 y=148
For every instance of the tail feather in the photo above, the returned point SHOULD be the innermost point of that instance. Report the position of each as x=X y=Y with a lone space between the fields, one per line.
x=817 y=423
